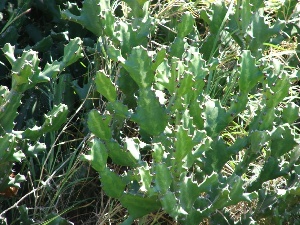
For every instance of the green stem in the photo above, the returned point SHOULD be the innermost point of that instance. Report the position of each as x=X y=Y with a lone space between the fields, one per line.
x=8 y=111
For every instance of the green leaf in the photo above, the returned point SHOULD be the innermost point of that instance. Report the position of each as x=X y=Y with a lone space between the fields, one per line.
x=115 y=54
x=18 y=156
x=23 y=77
x=260 y=32
x=186 y=84
x=158 y=151
x=277 y=90
x=163 y=178
x=99 y=155
x=186 y=24
x=146 y=179
x=237 y=191
x=290 y=113
x=139 y=206
x=183 y=145
x=32 y=133
x=119 y=109
x=287 y=9
x=64 y=92
x=25 y=69
x=170 y=205
x=7 y=144
x=221 y=200
x=112 y=183
x=150 y=115
x=159 y=58
x=189 y=191
x=99 y=124
x=105 y=86
x=119 y=156
x=208 y=182
x=219 y=11
x=216 y=23
x=55 y=118
x=139 y=66
x=132 y=145
x=15 y=182
x=177 y=47
x=9 y=52
x=240 y=20
x=243 y=15
x=272 y=169
x=89 y=16
x=11 y=100
x=137 y=7
x=43 y=45
x=258 y=140
x=250 y=74
x=53 y=121
x=33 y=150
x=195 y=112
x=282 y=140
x=51 y=70
x=216 y=118
x=217 y=156
x=72 y=52
x=238 y=104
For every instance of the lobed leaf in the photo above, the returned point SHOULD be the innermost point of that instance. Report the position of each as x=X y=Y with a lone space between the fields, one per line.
x=105 y=86
x=99 y=124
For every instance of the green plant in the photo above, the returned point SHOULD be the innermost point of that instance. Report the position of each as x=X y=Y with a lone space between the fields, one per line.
x=37 y=98
x=175 y=159
x=26 y=74
x=189 y=110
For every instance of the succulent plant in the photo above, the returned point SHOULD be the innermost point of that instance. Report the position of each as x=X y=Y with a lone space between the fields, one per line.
x=180 y=126
x=26 y=74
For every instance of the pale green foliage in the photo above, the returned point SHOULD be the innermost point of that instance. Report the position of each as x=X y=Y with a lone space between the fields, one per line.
x=26 y=74
x=163 y=135
x=182 y=128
